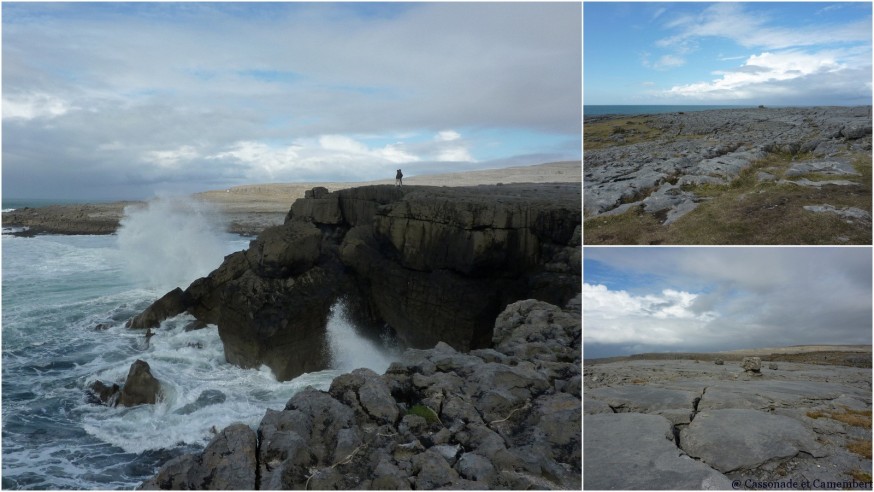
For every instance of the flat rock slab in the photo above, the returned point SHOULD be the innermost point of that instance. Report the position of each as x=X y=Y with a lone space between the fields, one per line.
x=848 y=213
x=762 y=394
x=633 y=451
x=821 y=167
x=591 y=406
x=733 y=439
x=644 y=399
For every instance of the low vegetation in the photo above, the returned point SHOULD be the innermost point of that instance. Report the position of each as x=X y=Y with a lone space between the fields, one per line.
x=856 y=418
x=619 y=131
x=750 y=211
x=862 y=448
x=425 y=412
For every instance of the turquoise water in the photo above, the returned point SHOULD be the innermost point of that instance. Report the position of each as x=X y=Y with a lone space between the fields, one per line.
x=595 y=109
x=65 y=302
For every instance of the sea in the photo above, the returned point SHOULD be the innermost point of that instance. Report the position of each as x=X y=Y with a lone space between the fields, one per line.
x=594 y=109
x=65 y=301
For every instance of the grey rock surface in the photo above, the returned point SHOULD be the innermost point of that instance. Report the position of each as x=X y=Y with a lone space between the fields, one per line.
x=627 y=451
x=733 y=438
x=478 y=424
x=715 y=147
x=851 y=214
x=798 y=423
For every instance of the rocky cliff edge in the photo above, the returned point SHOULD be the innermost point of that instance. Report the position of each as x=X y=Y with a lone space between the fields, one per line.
x=434 y=264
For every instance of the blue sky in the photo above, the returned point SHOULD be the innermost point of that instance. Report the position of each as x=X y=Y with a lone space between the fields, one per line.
x=776 y=53
x=125 y=100
x=713 y=299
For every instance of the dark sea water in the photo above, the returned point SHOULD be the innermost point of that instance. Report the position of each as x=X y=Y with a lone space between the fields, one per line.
x=13 y=203
x=65 y=301
x=595 y=109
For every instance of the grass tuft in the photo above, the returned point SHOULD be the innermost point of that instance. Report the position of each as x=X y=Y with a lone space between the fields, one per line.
x=862 y=448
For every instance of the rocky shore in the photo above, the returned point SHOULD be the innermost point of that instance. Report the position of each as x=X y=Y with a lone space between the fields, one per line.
x=716 y=422
x=503 y=417
x=667 y=165
x=474 y=403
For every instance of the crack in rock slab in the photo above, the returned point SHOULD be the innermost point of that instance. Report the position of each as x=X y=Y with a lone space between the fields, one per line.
x=637 y=451
x=761 y=394
x=732 y=438
x=645 y=399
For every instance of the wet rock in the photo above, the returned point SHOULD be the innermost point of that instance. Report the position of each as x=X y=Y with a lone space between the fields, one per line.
x=227 y=463
x=172 y=303
x=488 y=425
x=140 y=387
x=101 y=393
x=204 y=399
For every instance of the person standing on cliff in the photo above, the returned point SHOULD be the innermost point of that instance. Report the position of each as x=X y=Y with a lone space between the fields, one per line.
x=399 y=178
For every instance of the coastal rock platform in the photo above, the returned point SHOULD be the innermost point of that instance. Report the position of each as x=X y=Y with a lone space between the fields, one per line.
x=666 y=166
x=688 y=423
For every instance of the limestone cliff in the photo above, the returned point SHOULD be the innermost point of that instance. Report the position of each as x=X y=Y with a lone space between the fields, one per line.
x=433 y=263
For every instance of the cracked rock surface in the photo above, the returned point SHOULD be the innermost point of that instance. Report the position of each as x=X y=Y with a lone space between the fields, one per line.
x=682 y=424
x=714 y=147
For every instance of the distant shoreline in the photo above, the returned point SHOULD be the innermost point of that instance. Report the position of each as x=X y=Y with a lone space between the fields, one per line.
x=815 y=354
x=249 y=209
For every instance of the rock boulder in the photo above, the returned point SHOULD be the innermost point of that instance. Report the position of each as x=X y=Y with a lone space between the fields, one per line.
x=140 y=387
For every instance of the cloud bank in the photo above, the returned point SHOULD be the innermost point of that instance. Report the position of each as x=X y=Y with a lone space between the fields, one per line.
x=714 y=299
x=138 y=97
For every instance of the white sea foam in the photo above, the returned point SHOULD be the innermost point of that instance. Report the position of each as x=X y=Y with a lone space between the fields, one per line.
x=170 y=242
x=350 y=350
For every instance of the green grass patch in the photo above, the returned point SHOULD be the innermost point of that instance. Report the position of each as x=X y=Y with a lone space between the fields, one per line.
x=632 y=130
x=425 y=412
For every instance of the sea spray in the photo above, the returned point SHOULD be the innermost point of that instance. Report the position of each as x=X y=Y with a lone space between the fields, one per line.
x=170 y=242
x=350 y=349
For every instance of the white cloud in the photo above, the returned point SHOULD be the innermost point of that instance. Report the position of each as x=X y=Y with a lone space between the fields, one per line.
x=447 y=136
x=789 y=73
x=34 y=105
x=455 y=154
x=618 y=317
